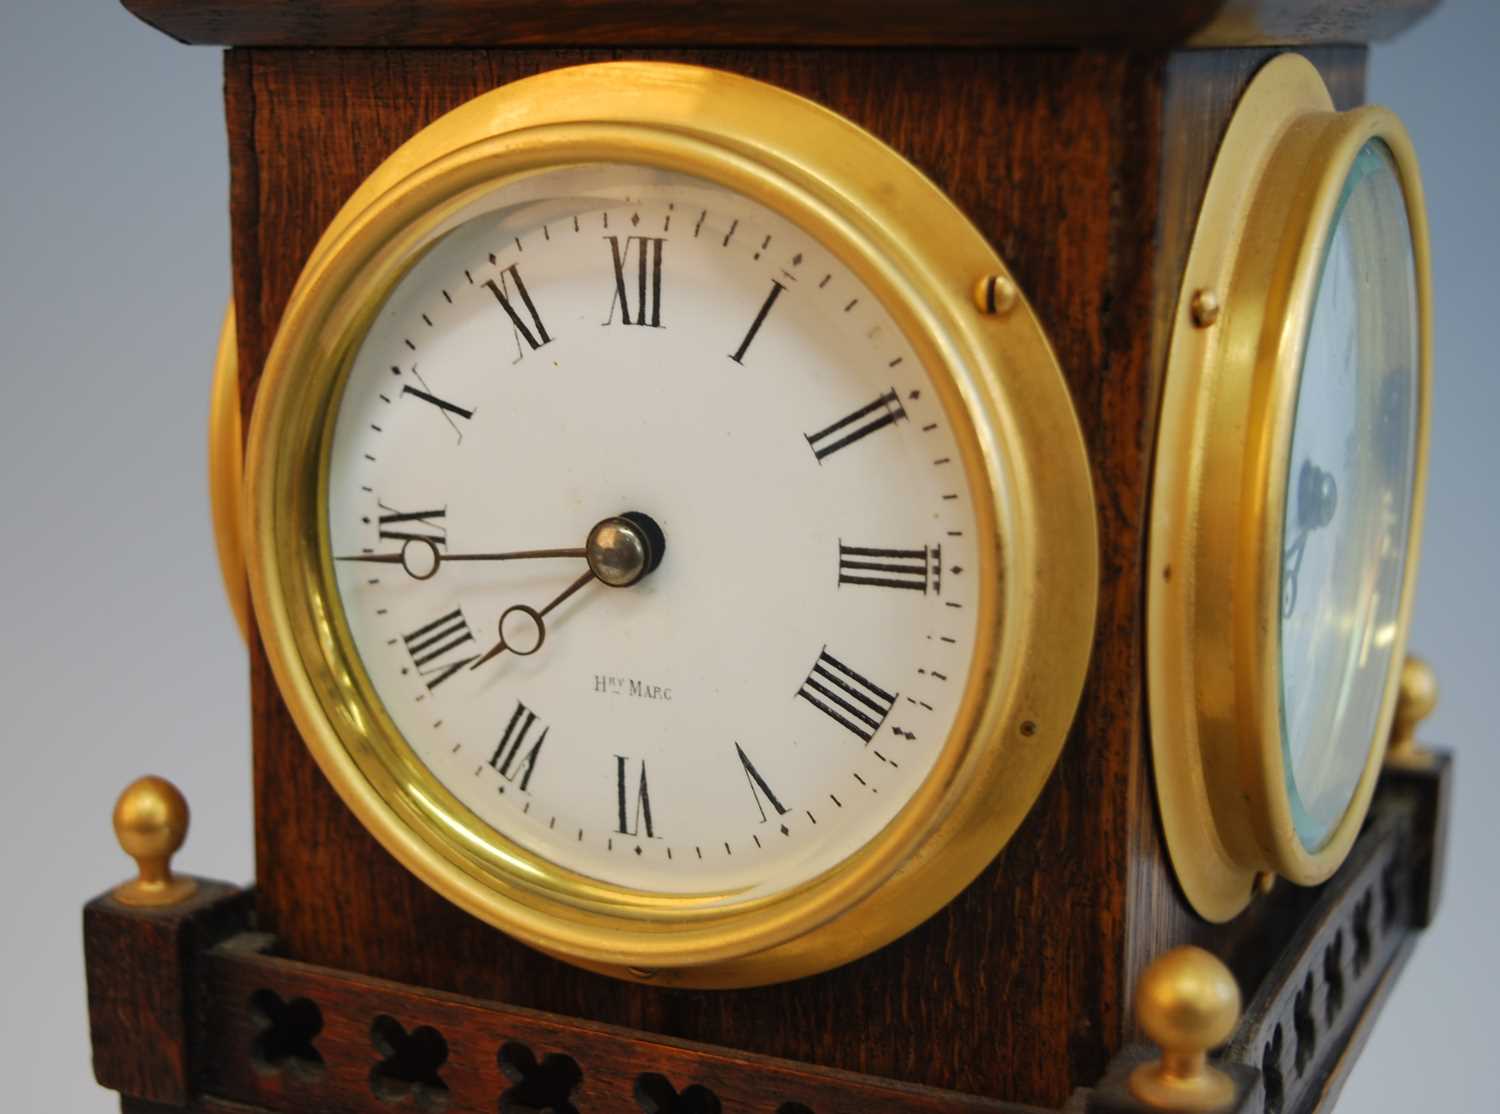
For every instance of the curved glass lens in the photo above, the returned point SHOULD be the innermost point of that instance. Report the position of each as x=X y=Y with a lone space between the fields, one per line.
x=1348 y=508
x=753 y=702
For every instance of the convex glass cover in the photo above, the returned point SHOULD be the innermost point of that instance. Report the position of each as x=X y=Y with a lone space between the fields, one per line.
x=606 y=341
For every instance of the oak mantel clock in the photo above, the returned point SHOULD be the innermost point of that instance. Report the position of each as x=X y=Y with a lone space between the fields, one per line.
x=800 y=562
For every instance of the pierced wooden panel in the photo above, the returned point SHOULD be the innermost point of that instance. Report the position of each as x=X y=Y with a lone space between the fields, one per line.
x=377 y=1043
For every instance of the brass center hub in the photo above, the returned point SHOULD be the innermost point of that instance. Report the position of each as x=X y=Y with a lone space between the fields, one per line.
x=623 y=549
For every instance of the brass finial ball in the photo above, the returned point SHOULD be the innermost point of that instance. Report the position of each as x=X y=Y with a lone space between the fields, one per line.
x=151 y=823
x=1188 y=1003
x=1418 y=696
x=1188 y=999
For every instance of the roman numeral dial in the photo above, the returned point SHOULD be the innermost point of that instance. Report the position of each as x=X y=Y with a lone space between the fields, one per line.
x=526 y=322
x=627 y=345
x=738 y=356
x=885 y=411
x=637 y=287
x=452 y=412
x=763 y=794
x=516 y=756
x=912 y=570
x=404 y=526
x=438 y=648
x=633 y=797
x=847 y=697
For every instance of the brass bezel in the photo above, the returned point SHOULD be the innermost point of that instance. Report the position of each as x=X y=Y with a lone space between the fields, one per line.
x=1220 y=481
x=226 y=471
x=999 y=380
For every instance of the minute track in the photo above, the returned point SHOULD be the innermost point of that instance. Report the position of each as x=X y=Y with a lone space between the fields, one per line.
x=520 y=462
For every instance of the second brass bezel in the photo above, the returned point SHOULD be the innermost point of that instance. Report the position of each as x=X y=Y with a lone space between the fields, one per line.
x=1221 y=480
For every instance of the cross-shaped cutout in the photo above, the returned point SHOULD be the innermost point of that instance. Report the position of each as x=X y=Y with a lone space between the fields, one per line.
x=1364 y=909
x=657 y=1096
x=1333 y=977
x=285 y=1034
x=411 y=1064
x=1307 y=1028
x=1392 y=883
x=1270 y=1066
x=545 y=1088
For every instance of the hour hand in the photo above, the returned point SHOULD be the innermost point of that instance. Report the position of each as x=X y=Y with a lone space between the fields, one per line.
x=421 y=558
x=536 y=624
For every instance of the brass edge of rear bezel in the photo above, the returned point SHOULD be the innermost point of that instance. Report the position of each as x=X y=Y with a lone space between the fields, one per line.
x=226 y=471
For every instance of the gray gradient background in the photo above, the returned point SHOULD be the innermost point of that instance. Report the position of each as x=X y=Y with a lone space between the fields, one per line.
x=119 y=656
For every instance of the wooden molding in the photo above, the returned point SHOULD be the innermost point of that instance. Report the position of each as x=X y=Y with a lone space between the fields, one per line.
x=475 y=23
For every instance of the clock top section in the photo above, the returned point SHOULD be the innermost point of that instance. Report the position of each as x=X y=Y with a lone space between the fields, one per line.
x=478 y=23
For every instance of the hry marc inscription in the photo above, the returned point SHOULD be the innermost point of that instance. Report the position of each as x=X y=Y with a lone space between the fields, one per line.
x=610 y=685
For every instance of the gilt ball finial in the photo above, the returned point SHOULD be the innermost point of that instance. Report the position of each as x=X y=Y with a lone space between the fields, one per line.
x=1416 y=699
x=151 y=823
x=1188 y=1003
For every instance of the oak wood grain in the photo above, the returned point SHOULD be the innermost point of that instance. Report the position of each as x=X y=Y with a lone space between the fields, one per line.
x=1015 y=988
x=1084 y=168
x=141 y=963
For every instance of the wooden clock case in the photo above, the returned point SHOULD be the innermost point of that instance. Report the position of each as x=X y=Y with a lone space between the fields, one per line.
x=1078 y=137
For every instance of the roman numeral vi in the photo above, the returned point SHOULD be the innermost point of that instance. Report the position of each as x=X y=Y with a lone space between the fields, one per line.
x=635 y=808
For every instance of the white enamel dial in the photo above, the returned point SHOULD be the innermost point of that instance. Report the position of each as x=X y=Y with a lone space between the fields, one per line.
x=607 y=339
x=1348 y=517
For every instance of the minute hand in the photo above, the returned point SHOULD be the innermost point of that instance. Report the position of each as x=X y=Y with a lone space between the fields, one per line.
x=421 y=558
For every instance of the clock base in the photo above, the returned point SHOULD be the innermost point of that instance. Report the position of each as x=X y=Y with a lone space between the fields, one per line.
x=192 y=1009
